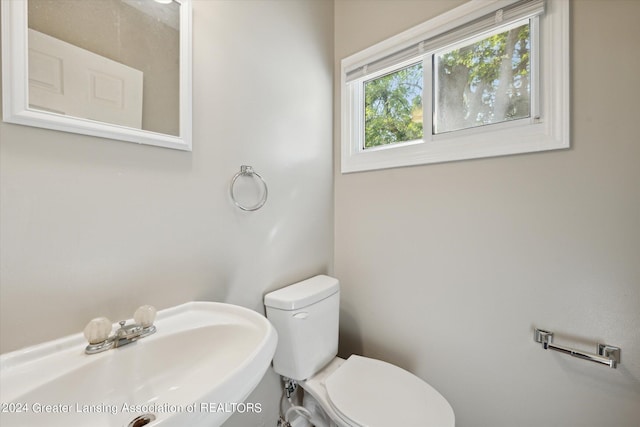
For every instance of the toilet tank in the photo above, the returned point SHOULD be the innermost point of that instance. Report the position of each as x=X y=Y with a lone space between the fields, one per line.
x=305 y=315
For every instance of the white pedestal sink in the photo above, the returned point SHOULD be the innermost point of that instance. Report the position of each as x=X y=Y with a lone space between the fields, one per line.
x=196 y=370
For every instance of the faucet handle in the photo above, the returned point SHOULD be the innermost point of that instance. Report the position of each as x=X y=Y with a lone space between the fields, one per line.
x=145 y=315
x=97 y=330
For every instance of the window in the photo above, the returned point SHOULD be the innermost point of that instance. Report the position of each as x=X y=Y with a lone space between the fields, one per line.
x=393 y=107
x=478 y=81
x=484 y=82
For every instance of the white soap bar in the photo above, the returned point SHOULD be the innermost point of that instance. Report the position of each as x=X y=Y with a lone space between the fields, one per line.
x=97 y=330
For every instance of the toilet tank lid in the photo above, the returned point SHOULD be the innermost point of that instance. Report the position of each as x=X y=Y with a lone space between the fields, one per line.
x=302 y=294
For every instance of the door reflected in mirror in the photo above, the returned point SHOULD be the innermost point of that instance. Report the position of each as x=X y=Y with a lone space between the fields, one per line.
x=126 y=54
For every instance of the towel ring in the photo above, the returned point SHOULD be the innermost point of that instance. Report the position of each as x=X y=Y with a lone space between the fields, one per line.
x=248 y=171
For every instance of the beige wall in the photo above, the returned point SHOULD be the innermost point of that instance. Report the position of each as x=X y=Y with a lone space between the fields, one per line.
x=446 y=269
x=93 y=227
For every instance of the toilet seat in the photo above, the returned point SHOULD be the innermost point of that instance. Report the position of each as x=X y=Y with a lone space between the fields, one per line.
x=372 y=393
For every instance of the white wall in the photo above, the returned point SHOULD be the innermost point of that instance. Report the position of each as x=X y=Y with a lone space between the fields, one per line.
x=447 y=268
x=93 y=227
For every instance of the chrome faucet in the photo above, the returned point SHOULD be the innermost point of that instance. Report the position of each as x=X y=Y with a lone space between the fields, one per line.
x=130 y=333
x=97 y=331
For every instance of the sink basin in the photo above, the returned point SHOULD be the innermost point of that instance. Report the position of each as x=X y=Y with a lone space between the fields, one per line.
x=196 y=370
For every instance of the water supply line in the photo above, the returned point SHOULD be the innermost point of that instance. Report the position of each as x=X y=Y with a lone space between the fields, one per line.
x=289 y=388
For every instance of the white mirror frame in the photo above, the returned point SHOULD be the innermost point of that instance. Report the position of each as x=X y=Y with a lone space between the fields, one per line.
x=15 y=86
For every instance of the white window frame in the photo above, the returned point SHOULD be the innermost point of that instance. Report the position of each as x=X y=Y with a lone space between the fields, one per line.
x=547 y=128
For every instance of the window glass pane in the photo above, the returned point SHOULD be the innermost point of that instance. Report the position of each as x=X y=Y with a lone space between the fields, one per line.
x=393 y=107
x=483 y=83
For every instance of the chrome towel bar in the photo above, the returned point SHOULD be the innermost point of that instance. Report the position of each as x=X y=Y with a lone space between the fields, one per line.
x=607 y=354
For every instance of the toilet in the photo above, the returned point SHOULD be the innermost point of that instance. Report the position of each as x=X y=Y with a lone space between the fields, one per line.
x=355 y=392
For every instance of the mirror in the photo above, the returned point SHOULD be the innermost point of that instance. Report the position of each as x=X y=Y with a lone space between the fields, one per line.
x=118 y=69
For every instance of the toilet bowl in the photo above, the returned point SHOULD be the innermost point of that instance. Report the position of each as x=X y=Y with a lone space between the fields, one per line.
x=355 y=392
